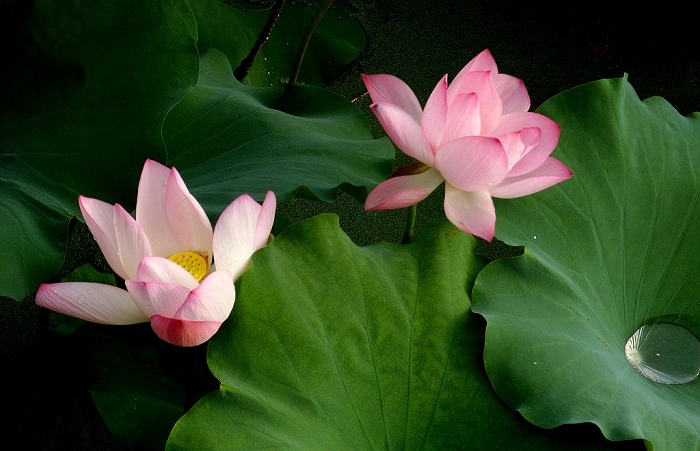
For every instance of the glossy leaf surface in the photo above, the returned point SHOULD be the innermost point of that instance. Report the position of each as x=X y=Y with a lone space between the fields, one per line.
x=613 y=249
x=334 y=346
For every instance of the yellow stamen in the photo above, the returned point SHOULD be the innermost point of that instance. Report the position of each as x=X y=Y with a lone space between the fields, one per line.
x=194 y=263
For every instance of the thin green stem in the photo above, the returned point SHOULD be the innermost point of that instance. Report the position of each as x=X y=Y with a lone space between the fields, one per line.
x=410 y=223
x=242 y=70
x=305 y=41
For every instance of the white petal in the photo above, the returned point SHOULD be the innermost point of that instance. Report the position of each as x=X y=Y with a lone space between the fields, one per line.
x=186 y=218
x=235 y=235
x=211 y=301
x=159 y=269
x=158 y=298
x=266 y=220
x=150 y=209
x=132 y=241
x=95 y=302
x=472 y=212
x=99 y=217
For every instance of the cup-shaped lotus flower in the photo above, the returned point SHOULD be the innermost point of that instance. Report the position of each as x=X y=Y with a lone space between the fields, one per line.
x=476 y=135
x=178 y=271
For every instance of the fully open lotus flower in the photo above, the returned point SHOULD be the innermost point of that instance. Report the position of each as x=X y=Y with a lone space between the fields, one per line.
x=475 y=135
x=166 y=257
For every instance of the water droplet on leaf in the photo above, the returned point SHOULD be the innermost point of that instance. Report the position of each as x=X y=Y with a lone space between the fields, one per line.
x=665 y=353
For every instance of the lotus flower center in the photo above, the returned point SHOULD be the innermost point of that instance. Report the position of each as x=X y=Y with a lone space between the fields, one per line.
x=193 y=263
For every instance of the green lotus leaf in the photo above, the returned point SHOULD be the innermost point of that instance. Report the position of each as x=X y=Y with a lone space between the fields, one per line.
x=93 y=90
x=611 y=250
x=336 y=42
x=335 y=346
x=34 y=218
x=228 y=138
x=83 y=100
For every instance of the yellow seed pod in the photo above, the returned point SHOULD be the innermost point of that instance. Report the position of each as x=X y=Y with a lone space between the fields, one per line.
x=194 y=263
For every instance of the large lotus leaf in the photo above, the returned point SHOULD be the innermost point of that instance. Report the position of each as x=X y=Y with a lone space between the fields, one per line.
x=608 y=251
x=334 y=346
x=85 y=102
x=32 y=218
x=86 y=105
x=256 y=139
x=336 y=42
x=83 y=99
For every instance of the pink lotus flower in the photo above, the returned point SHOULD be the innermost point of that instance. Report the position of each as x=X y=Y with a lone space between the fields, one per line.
x=166 y=257
x=475 y=135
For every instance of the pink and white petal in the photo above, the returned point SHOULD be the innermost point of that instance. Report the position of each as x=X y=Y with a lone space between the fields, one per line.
x=513 y=94
x=131 y=240
x=463 y=118
x=549 y=173
x=159 y=269
x=403 y=191
x=518 y=143
x=99 y=217
x=150 y=208
x=243 y=228
x=548 y=139
x=235 y=235
x=183 y=333
x=187 y=220
x=158 y=298
x=384 y=88
x=472 y=212
x=490 y=106
x=201 y=314
x=404 y=131
x=266 y=220
x=482 y=62
x=472 y=163
x=435 y=113
x=212 y=300
x=95 y=302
